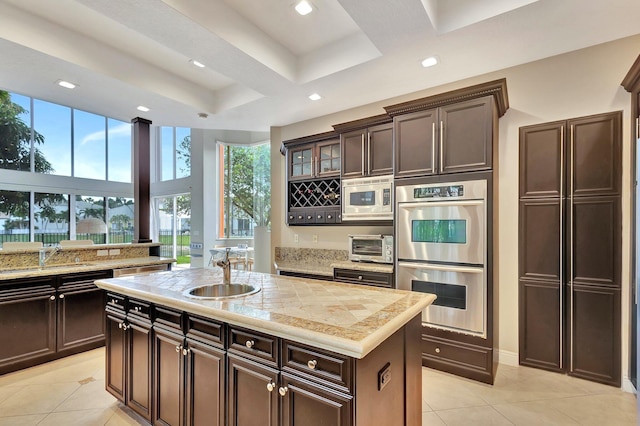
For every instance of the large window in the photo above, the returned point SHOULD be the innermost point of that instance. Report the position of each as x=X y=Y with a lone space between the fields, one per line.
x=245 y=189
x=64 y=141
x=173 y=221
x=14 y=216
x=90 y=219
x=175 y=152
x=51 y=218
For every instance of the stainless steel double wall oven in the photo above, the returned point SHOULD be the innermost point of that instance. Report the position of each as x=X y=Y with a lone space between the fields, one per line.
x=441 y=240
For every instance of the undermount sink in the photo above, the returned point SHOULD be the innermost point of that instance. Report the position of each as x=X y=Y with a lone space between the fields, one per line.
x=221 y=291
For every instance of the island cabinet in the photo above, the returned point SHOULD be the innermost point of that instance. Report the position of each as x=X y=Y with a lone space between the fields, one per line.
x=173 y=368
x=61 y=315
x=367 y=146
x=129 y=349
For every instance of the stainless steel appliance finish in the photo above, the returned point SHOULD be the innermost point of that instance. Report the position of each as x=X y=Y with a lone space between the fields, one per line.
x=368 y=198
x=371 y=248
x=442 y=222
x=461 y=304
x=441 y=248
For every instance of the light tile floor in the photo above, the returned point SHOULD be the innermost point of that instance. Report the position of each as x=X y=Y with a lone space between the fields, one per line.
x=71 y=392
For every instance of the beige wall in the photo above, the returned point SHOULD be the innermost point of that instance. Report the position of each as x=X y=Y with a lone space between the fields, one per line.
x=575 y=84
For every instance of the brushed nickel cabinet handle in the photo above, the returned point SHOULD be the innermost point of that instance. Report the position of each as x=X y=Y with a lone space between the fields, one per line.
x=61 y=296
x=437 y=350
x=571 y=154
x=368 y=152
x=249 y=344
x=433 y=147
x=52 y=298
x=283 y=390
x=362 y=152
x=178 y=348
x=441 y=146
x=312 y=364
x=561 y=272
x=271 y=386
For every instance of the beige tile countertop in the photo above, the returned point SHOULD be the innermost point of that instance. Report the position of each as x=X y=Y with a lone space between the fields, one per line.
x=347 y=319
x=83 y=266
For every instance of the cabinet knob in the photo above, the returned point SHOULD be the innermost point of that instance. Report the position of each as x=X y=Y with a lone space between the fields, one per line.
x=61 y=296
x=300 y=217
x=437 y=350
x=120 y=325
x=114 y=302
x=359 y=277
x=124 y=326
x=136 y=308
x=283 y=390
x=271 y=386
x=185 y=351
x=52 y=298
x=329 y=216
x=178 y=348
x=319 y=216
x=312 y=364
x=249 y=344
x=309 y=217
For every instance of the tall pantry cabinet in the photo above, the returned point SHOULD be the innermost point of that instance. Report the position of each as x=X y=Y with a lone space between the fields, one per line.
x=570 y=247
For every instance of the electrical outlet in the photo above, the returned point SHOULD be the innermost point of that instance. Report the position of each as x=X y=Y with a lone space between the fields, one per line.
x=295 y=238
x=384 y=376
x=315 y=239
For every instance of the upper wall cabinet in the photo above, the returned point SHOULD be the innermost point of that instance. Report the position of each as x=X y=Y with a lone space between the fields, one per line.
x=367 y=146
x=314 y=157
x=448 y=133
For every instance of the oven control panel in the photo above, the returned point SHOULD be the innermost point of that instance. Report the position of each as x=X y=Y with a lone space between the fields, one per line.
x=448 y=191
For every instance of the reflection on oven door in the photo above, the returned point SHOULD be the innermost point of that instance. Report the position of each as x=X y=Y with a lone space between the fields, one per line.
x=460 y=290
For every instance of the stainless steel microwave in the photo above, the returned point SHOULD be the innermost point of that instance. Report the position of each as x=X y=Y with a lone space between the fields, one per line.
x=371 y=248
x=368 y=198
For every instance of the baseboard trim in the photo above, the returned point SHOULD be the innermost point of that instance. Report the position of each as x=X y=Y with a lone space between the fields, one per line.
x=627 y=386
x=506 y=357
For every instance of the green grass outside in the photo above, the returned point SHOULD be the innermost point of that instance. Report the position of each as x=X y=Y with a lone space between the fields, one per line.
x=183 y=259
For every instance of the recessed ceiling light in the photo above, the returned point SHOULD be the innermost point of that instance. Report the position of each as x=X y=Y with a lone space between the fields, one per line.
x=430 y=61
x=315 y=97
x=66 y=84
x=197 y=64
x=142 y=108
x=304 y=8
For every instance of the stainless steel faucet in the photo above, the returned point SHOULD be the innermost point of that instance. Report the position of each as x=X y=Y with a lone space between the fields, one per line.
x=43 y=257
x=225 y=264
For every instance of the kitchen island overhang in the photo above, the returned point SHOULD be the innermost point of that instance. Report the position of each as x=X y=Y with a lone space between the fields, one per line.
x=298 y=349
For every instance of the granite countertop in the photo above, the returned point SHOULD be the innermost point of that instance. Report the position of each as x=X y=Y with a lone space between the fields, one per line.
x=315 y=268
x=347 y=319
x=27 y=272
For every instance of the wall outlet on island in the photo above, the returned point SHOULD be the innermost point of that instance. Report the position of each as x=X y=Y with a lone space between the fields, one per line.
x=295 y=238
x=315 y=239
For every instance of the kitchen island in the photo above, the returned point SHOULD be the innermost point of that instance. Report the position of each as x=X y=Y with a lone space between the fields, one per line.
x=299 y=351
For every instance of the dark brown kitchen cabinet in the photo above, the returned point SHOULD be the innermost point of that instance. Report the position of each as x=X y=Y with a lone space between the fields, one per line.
x=61 y=314
x=449 y=139
x=27 y=308
x=305 y=403
x=367 y=152
x=188 y=371
x=253 y=393
x=570 y=247
x=129 y=354
x=314 y=159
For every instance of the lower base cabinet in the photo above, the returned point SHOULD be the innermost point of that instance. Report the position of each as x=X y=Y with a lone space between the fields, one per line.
x=175 y=368
x=62 y=315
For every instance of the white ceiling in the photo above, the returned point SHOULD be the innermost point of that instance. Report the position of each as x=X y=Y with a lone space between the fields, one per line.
x=263 y=60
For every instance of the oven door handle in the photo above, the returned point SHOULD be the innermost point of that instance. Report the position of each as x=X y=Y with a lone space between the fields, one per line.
x=411 y=205
x=444 y=268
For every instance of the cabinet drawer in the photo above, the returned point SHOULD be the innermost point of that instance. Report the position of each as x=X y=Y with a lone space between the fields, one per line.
x=205 y=330
x=116 y=301
x=139 y=308
x=168 y=318
x=466 y=360
x=353 y=276
x=254 y=344
x=329 y=368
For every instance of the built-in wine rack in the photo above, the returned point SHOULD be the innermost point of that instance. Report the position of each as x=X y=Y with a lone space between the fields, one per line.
x=314 y=193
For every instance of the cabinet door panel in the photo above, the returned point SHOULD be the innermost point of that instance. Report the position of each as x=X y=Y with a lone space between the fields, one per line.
x=139 y=368
x=327 y=161
x=80 y=315
x=205 y=385
x=380 y=161
x=540 y=239
x=250 y=402
x=541 y=325
x=595 y=147
x=596 y=233
x=168 y=389
x=595 y=334
x=415 y=147
x=466 y=136
x=300 y=163
x=115 y=355
x=353 y=151
x=542 y=160
x=311 y=405
x=26 y=312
